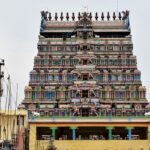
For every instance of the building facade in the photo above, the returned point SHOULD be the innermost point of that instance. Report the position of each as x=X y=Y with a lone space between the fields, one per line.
x=13 y=125
x=84 y=75
x=85 y=68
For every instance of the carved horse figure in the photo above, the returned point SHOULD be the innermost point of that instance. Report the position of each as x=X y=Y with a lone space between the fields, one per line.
x=125 y=18
x=125 y=14
x=44 y=19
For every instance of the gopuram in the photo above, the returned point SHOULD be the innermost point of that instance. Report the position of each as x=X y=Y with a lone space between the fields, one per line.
x=85 y=84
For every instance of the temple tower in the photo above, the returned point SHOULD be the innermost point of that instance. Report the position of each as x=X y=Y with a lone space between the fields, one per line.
x=85 y=66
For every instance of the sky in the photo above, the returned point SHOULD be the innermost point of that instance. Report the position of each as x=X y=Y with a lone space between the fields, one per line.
x=19 y=30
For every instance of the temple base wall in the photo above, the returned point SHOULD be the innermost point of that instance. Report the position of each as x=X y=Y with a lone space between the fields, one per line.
x=95 y=145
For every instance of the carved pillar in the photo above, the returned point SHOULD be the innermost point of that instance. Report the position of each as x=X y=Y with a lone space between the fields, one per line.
x=73 y=133
x=129 y=132
x=53 y=132
x=110 y=132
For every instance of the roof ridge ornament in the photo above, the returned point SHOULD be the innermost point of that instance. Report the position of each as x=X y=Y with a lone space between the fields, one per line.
x=49 y=17
x=44 y=19
x=119 y=16
x=114 y=16
x=67 y=16
x=73 y=16
x=102 y=16
x=125 y=18
x=61 y=16
x=56 y=16
x=108 y=16
x=96 y=16
x=125 y=15
x=46 y=16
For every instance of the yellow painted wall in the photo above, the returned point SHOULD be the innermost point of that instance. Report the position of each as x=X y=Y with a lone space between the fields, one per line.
x=89 y=144
x=8 y=120
x=95 y=145
x=32 y=138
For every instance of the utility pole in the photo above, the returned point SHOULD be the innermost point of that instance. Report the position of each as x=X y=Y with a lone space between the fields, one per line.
x=1 y=76
x=1 y=90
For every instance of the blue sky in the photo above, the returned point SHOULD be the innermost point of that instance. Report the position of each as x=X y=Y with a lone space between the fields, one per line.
x=19 y=30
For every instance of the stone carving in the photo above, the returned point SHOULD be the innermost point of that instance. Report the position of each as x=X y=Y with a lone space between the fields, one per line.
x=125 y=18
x=125 y=15
x=44 y=19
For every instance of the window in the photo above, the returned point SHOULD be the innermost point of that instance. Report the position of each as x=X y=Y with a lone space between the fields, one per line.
x=75 y=77
x=67 y=62
x=71 y=61
x=42 y=61
x=85 y=77
x=33 y=95
x=42 y=78
x=46 y=62
x=132 y=94
x=74 y=48
x=20 y=120
x=69 y=77
x=100 y=77
x=85 y=47
x=116 y=48
x=124 y=77
x=56 y=62
x=51 y=77
x=136 y=77
x=94 y=62
x=128 y=61
x=85 y=94
x=49 y=94
x=74 y=94
x=85 y=61
x=137 y=94
x=102 y=62
x=109 y=77
x=133 y=61
x=110 y=48
x=120 y=78
x=102 y=48
x=56 y=77
x=75 y=61
x=103 y=95
x=60 y=77
x=37 y=94
x=63 y=61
